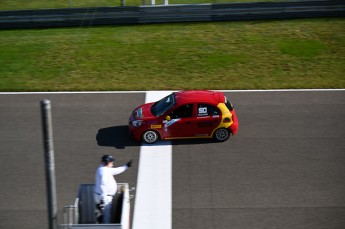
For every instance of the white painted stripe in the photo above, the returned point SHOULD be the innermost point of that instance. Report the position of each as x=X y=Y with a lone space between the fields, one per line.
x=70 y=92
x=153 y=200
x=119 y=92
x=283 y=90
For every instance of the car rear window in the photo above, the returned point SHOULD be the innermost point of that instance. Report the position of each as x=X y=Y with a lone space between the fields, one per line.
x=207 y=110
x=228 y=104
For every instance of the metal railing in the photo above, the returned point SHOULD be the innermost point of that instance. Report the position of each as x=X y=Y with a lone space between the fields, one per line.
x=82 y=213
x=171 y=13
x=70 y=215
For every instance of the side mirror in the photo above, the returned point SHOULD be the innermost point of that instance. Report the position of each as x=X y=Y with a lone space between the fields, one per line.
x=168 y=118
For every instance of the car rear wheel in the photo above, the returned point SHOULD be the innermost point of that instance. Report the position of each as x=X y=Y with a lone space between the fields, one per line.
x=150 y=136
x=222 y=134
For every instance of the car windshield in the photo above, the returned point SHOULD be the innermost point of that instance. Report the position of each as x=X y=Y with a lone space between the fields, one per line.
x=161 y=106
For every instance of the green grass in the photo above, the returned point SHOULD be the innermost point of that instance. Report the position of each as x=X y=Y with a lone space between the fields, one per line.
x=230 y=55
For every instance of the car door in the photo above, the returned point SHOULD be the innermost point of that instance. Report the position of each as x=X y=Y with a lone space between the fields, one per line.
x=180 y=122
x=208 y=118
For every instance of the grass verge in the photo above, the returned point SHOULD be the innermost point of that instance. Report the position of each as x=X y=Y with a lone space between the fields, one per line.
x=229 y=55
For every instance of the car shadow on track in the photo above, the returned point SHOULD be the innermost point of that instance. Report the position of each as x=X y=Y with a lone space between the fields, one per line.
x=118 y=137
x=115 y=136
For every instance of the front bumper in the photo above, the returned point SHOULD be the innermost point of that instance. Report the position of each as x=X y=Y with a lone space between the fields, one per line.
x=134 y=132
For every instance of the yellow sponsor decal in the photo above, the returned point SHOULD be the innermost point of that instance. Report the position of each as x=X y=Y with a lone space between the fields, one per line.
x=225 y=114
x=156 y=126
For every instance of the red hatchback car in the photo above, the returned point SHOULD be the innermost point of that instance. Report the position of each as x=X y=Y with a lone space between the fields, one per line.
x=185 y=114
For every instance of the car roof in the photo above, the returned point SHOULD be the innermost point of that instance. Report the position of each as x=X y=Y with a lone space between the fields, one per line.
x=201 y=96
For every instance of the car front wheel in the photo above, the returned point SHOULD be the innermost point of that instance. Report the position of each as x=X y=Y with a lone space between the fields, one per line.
x=150 y=136
x=222 y=134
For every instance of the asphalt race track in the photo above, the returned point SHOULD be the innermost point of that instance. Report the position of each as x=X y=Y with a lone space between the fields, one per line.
x=284 y=168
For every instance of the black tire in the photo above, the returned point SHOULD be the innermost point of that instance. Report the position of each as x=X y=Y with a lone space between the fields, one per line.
x=221 y=134
x=150 y=136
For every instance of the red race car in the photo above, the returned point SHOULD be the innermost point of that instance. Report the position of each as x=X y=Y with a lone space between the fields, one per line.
x=185 y=114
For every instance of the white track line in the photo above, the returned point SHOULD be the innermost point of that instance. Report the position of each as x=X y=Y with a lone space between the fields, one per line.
x=119 y=92
x=153 y=201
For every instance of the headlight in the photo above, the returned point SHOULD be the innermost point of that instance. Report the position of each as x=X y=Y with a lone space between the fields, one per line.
x=137 y=123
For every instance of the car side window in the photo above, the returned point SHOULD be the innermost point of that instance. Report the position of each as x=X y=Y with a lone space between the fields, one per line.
x=185 y=111
x=207 y=110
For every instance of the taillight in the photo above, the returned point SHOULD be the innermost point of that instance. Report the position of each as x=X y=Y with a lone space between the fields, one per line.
x=226 y=120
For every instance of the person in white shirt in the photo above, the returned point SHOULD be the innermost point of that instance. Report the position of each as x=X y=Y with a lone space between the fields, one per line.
x=106 y=186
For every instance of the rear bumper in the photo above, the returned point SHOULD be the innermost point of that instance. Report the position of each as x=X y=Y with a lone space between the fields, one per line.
x=234 y=126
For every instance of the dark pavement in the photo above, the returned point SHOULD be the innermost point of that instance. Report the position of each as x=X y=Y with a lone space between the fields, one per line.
x=284 y=168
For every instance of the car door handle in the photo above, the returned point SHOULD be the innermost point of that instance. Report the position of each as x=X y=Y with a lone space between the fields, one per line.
x=188 y=122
